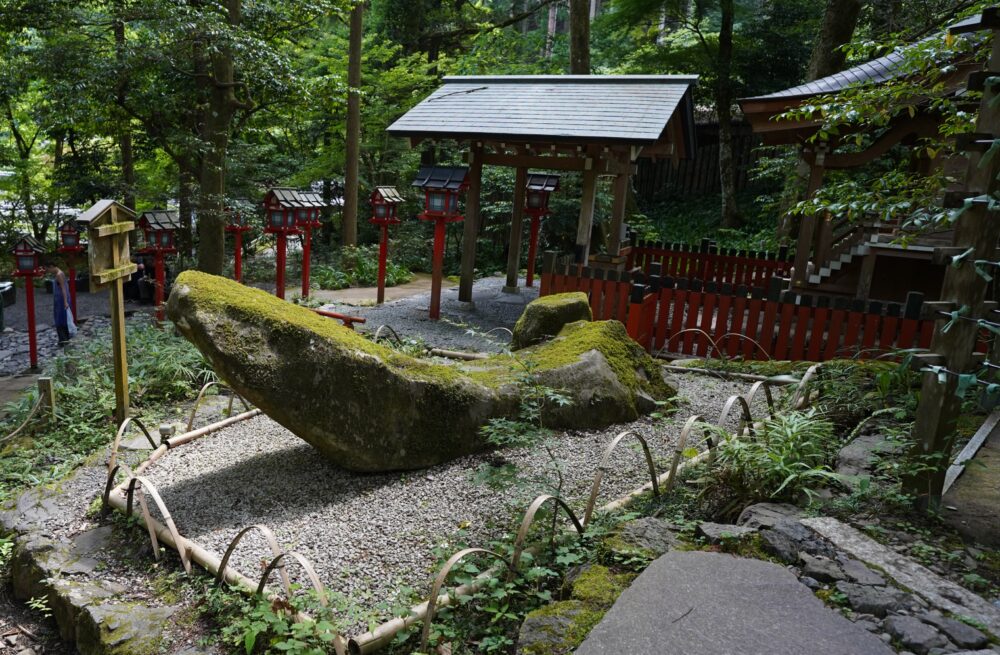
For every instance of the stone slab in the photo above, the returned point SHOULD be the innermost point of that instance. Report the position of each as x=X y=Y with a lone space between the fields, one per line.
x=936 y=590
x=701 y=603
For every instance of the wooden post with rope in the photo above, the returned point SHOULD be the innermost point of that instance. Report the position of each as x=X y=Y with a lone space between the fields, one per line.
x=977 y=229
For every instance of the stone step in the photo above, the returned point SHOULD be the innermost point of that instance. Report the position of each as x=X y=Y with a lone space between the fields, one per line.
x=936 y=590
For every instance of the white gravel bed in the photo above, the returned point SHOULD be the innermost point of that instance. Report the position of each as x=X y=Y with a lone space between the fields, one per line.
x=370 y=536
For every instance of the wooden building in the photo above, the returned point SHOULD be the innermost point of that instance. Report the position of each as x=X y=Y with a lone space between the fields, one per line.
x=858 y=257
x=596 y=125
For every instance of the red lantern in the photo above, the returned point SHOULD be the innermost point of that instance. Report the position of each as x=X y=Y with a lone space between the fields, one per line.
x=537 y=188
x=290 y=211
x=70 y=246
x=159 y=227
x=385 y=200
x=28 y=264
x=237 y=226
x=441 y=186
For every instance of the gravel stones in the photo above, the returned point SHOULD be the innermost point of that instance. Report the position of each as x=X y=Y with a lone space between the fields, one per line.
x=371 y=535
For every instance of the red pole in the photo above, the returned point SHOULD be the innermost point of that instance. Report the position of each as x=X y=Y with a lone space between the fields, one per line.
x=383 y=255
x=437 y=269
x=238 y=256
x=29 y=291
x=306 y=247
x=72 y=285
x=280 y=290
x=532 y=249
x=161 y=283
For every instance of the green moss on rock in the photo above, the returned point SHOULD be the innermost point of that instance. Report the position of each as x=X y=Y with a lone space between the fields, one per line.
x=545 y=317
x=598 y=586
x=557 y=628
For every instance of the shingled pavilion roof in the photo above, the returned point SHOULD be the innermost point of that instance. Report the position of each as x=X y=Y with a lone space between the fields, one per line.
x=582 y=109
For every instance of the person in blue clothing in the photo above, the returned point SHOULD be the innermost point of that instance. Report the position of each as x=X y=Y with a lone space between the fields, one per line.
x=60 y=301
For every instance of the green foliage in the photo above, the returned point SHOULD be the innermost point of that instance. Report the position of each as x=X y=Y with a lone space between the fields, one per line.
x=789 y=455
x=162 y=368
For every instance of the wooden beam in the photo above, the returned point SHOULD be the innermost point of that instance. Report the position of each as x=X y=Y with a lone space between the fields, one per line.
x=578 y=164
x=586 y=221
x=516 y=221
x=470 y=232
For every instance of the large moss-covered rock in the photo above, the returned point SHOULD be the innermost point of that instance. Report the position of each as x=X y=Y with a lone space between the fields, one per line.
x=369 y=408
x=545 y=317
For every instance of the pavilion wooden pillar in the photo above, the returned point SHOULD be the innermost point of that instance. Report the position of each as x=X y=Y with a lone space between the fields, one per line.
x=516 y=224
x=808 y=224
x=582 y=254
x=620 y=191
x=470 y=232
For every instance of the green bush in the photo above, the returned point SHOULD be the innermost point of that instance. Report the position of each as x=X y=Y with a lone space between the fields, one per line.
x=788 y=456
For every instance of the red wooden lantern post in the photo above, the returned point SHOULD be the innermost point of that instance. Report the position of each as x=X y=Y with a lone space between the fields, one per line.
x=539 y=186
x=307 y=218
x=385 y=200
x=441 y=186
x=28 y=264
x=159 y=227
x=237 y=226
x=279 y=219
x=70 y=246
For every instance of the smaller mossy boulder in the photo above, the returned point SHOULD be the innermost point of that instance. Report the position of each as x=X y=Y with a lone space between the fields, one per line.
x=545 y=317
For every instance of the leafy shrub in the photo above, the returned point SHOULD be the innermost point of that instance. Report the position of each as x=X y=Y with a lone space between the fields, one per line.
x=328 y=277
x=789 y=456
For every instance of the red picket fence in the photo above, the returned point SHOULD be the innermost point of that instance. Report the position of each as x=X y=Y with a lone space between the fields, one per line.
x=707 y=262
x=686 y=317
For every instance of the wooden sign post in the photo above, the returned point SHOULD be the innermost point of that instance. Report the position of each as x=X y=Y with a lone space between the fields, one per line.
x=108 y=225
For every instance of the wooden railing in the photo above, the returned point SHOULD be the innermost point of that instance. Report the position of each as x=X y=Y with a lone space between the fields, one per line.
x=706 y=261
x=706 y=319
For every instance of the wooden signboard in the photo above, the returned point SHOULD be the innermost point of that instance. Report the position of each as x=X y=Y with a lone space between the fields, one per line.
x=108 y=225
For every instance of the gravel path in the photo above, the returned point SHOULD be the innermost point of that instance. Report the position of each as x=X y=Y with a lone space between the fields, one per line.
x=371 y=537
x=490 y=308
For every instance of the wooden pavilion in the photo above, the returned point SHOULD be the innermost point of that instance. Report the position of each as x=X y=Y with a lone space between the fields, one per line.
x=833 y=253
x=597 y=125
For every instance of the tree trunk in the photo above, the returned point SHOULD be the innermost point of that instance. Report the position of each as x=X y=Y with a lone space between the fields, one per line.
x=185 y=206
x=550 y=33
x=595 y=8
x=222 y=105
x=579 y=37
x=724 y=108
x=838 y=26
x=124 y=130
x=349 y=222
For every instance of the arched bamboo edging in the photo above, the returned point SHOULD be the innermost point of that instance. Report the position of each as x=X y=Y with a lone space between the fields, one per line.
x=378 y=334
x=596 y=487
x=113 y=457
x=801 y=400
x=439 y=582
x=679 y=450
x=746 y=338
x=272 y=543
x=201 y=397
x=747 y=423
x=715 y=345
x=306 y=566
x=529 y=518
x=167 y=519
x=752 y=395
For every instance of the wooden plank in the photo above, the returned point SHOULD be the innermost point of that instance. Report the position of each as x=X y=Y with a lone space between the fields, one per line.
x=736 y=327
x=752 y=330
x=819 y=326
x=707 y=316
x=837 y=318
x=470 y=229
x=516 y=229
x=116 y=273
x=784 y=330
x=674 y=341
x=113 y=228
x=663 y=315
x=693 y=305
x=118 y=353
x=801 y=330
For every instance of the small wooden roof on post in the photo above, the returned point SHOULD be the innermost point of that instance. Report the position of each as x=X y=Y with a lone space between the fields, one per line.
x=592 y=124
